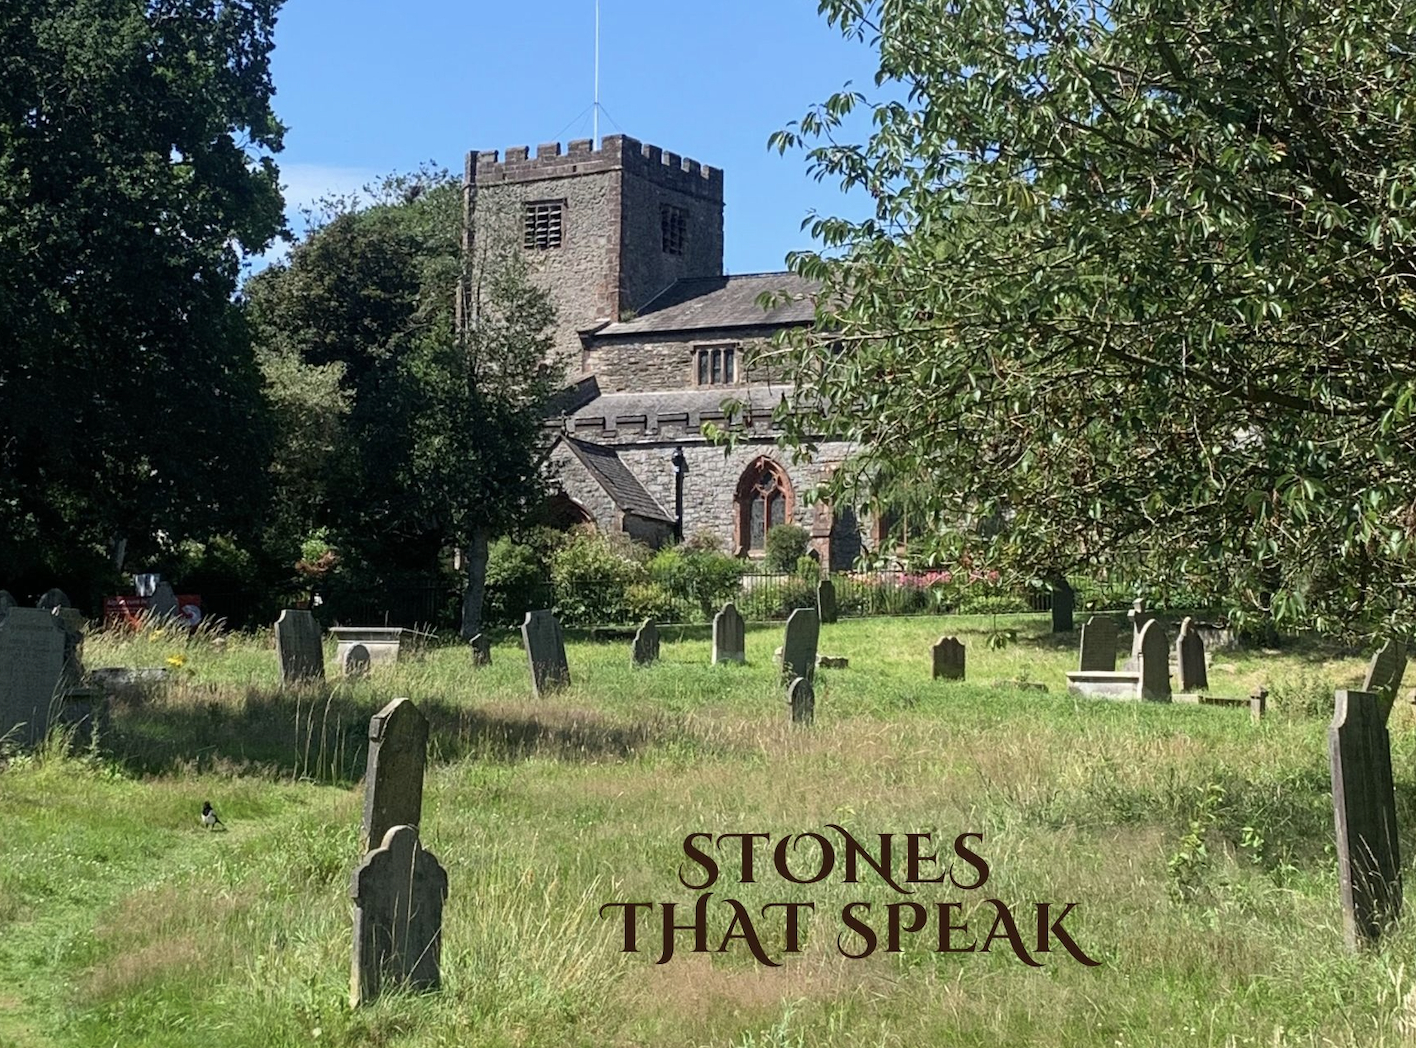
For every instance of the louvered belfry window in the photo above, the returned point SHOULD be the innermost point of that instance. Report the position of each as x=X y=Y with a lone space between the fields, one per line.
x=543 y=224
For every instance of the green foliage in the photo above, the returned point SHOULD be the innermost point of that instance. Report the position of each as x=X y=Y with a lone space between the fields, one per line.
x=1190 y=862
x=776 y=598
x=593 y=576
x=786 y=545
x=518 y=581
x=700 y=580
x=1151 y=262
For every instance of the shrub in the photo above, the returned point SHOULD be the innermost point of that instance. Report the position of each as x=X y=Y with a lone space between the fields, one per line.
x=592 y=576
x=977 y=601
x=786 y=544
x=698 y=580
x=518 y=581
x=777 y=598
x=649 y=600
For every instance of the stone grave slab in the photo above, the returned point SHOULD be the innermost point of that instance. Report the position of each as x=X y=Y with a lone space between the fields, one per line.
x=545 y=652
x=645 y=649
x=398 y=892
x=1386 y=669
x=729 y=635
x=1098 y=645
x=826 y=601
x=298 y=647
x=801 y=697
x=393 y=776
x=1190 y=658
x=356 y=661
x=33 y=645
x=948 y=659
x=481 y=648
x=383 y=643
x=799 y=648
x=1155 y=663
x=54 y=598
x=1104 y=684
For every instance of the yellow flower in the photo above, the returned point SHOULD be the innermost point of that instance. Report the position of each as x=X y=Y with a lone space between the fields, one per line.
x=177 y=661
x=157 y=633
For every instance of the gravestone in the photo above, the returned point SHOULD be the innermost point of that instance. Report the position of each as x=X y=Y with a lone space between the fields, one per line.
x=55 y=598
x=1387 y=668
x=32 y=663
x=1364 y=810
x=1064 y=603
x=1154 y=663
x=481 y=646
x=729 y=635
x=948 y=659
x=1190 y=658
x=799 y=649
x=545 y=651
x=398 y=892
x=356 y=662
x=826 y=601
x=1098 y=645
x=646 y=644
x=1138 y=617
x=7 y=602
x=163 y=604
x=393 y=777
x=802 y=699
x=297 y=645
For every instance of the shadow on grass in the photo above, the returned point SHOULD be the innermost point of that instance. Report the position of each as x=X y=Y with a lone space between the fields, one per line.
x=320 y=733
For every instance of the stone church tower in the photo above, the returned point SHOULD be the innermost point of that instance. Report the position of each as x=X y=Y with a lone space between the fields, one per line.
x=628 y=241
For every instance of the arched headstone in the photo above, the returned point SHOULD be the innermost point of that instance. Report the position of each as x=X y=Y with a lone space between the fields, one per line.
x=357 y=661
x=802 y=699
x=646 y=644
x=729 y=635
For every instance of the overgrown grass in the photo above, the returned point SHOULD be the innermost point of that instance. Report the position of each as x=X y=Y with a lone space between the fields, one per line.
x=1196 y=845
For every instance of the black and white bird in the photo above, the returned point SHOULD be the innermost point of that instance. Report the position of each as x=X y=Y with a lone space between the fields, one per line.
x=209 y=817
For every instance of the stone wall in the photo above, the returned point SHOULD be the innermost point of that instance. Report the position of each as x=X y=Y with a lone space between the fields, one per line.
x=669 y=361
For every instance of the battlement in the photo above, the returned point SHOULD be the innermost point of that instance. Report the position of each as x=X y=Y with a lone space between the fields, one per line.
x=616 y=153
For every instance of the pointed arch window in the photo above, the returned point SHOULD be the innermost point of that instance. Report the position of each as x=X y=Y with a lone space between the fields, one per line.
x=764 y=500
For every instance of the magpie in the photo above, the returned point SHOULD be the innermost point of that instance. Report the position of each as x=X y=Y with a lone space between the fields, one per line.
x=209 y=816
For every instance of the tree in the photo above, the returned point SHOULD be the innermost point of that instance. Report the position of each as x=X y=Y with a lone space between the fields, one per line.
x=135 y=167
x=1139 y=285
x=423 y=436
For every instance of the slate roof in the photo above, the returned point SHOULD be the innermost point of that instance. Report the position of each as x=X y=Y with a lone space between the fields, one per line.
x=619 y=483
x=703 y=303
x=759 y=398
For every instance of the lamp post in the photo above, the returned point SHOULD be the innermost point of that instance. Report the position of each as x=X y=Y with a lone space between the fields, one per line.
x=680 y=465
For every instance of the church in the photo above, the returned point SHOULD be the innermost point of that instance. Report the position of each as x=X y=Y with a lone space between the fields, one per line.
x=628 y=241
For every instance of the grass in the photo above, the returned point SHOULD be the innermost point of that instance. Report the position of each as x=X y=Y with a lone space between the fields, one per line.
x=1197 y=846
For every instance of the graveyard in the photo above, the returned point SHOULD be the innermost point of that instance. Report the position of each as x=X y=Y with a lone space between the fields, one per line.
x=1195 y=842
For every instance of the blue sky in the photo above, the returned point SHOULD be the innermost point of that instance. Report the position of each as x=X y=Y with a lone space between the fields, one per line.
x=367 y=87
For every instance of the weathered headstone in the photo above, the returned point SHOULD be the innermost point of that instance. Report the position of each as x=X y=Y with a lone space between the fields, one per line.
x=1154 y=663
x=1098 y=645
x=297 y=644
x=481 y=646
x=32 y=661
x=1387 y=668
x=393 y=777
x=646 y=644
x=802 y=699
x=948 y=659
x=1190 y=658
x=1138 y=617
x=356 y=661
x=729 y=635
x=163 y=604
x=398 y=892
x=55 y=598
x=799 y=648
x=1364 y=809
x=7 y=602
x=1064 y=603
x=826 y=601
x=545 y=651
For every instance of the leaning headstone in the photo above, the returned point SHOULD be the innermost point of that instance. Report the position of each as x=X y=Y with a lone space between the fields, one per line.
x=646 y=644
x=1387 y=668
x=481 y=646
x=1364 y=809
x=1064 y=602
x=357 y=662
x=729 y=635
x=826 y=601
x=398 y=892
x=1098 y=645
x=163 y=604
x=297 y=644
x=545 y=651
x=393 y=777
x=32 y=662
x=802 y=699
x=799 y=648
x=55 y=598
x=1154 y=663
x=1190 y=658
x=948 y=659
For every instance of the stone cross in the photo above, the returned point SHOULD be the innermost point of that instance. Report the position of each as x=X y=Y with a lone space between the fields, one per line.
x=1098 y=645
x=1190 y=658
x=357 y=661
x=398 y=892
x=729 y=635
x=545 y=651
x=163 y=604
x=481 y=646
x=948 y=659
x=802 y=699
x=297 y=644
x=55 y=598
x=1364 y=809
x=646 y=644
x=1064 y=603
x=826 y=601
x=33 y=646
x=393 y=776
x=799 y=649
x=1387 y=668
x=1154 y=663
